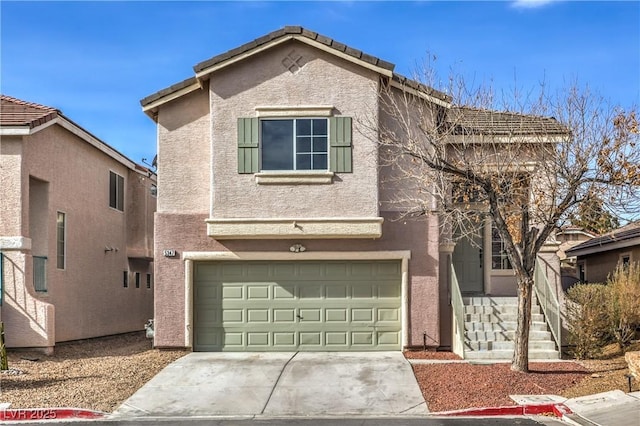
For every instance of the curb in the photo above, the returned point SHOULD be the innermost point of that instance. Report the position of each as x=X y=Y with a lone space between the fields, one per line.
x=558 y=410
x=30 y=414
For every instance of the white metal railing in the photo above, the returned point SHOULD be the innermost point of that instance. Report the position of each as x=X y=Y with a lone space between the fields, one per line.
x=548 y=300
x=457 y=306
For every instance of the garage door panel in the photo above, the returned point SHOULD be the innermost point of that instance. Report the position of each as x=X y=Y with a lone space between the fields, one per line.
x=284 y=315
x=286 y=292
x=232 y=292
x=315 y=305
x=257 y=292
x=336 y=315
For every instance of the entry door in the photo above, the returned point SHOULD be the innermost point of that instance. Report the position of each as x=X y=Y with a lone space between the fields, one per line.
x=467 y=262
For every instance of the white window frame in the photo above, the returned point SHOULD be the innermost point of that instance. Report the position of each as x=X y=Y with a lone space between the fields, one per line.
x=295 y=120
x=503 y=254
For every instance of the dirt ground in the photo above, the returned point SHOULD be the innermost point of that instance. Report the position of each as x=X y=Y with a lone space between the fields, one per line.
x=101 y=373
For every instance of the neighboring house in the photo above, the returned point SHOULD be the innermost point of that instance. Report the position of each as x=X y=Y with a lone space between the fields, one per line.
x=76 y=231
x=275 y=228
x=598 y=257
x=569 y=237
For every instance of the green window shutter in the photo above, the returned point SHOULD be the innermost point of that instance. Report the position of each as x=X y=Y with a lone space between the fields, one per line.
x=340 y=144
x=247 y=145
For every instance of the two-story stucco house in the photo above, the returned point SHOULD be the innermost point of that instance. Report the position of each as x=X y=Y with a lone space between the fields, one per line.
x=274 y=228
x=76 y=231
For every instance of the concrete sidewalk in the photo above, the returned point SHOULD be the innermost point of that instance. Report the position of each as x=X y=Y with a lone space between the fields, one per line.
x=280 y=384
x=614 y=408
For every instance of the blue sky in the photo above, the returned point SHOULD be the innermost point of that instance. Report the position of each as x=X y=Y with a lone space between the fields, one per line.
x=95 y=60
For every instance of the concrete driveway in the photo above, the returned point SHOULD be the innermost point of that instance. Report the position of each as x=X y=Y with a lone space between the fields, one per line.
x=280 y=384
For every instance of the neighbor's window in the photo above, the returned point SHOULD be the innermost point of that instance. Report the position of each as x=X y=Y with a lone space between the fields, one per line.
x=125 y=279
x=61 y=225
x=625 y=260
x=582 y=272
x=148 y=280
x=499 y=259
x=116 y=191
x=294 y=144
x=137 y=279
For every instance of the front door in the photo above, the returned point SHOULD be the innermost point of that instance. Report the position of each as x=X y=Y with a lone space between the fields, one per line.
x=467 y=262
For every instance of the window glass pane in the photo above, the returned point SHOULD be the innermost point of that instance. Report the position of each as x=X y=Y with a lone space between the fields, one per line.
x=320 y=127
x=319 y=161
x=277 y=144
x=60 y=240
x=303 y=127
x=120 y=205
x=320 y=144
x=112 y=189
x=304 y=161
x=303 y=144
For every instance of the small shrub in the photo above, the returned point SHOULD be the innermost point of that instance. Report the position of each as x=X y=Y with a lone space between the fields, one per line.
x=624 y=303
x=587 y=319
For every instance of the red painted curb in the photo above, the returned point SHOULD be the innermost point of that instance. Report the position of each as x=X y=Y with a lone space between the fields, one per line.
x=558 y=410
x=24 y=414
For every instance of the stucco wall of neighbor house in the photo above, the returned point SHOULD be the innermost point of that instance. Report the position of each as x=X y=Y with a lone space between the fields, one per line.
x=88 y=295
x=10 y=174
x=184 y=161
x=183 y=232
x=28 y=320
x=600 y=265
x=265 y=81
x=139 y=210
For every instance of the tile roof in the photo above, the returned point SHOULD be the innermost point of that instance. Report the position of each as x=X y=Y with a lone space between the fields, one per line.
x=300 y=32
x=488 y=122
x=296 y=30
x=15 y=112
x=169 y=90
x=628 y=232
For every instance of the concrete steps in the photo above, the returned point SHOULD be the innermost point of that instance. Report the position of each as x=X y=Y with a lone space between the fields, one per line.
x=490 y=324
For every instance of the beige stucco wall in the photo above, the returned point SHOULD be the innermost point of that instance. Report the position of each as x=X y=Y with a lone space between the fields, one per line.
x=87 y=298
x=264 y=81
x=184 y=160
x=28 y=320
x=188 y=233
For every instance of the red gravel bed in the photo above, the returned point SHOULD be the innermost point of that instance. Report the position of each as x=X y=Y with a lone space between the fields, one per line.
x=455 y=386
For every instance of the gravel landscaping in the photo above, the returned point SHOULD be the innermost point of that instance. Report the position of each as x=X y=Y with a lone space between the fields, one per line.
x=97 y=374
x=101 y=373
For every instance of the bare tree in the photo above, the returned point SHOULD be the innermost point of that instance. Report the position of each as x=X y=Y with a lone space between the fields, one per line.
x=526 y=162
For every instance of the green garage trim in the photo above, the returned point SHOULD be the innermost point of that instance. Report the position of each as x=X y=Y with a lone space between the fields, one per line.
x=297 y=305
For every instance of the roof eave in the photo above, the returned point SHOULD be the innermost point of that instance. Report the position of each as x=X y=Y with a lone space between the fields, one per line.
x=150 y=104
x=204 y=72
x=605 y=246
x=444 y=102
x=15 y=130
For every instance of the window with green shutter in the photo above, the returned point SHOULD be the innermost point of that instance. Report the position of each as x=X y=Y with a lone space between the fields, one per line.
x=294 y=144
